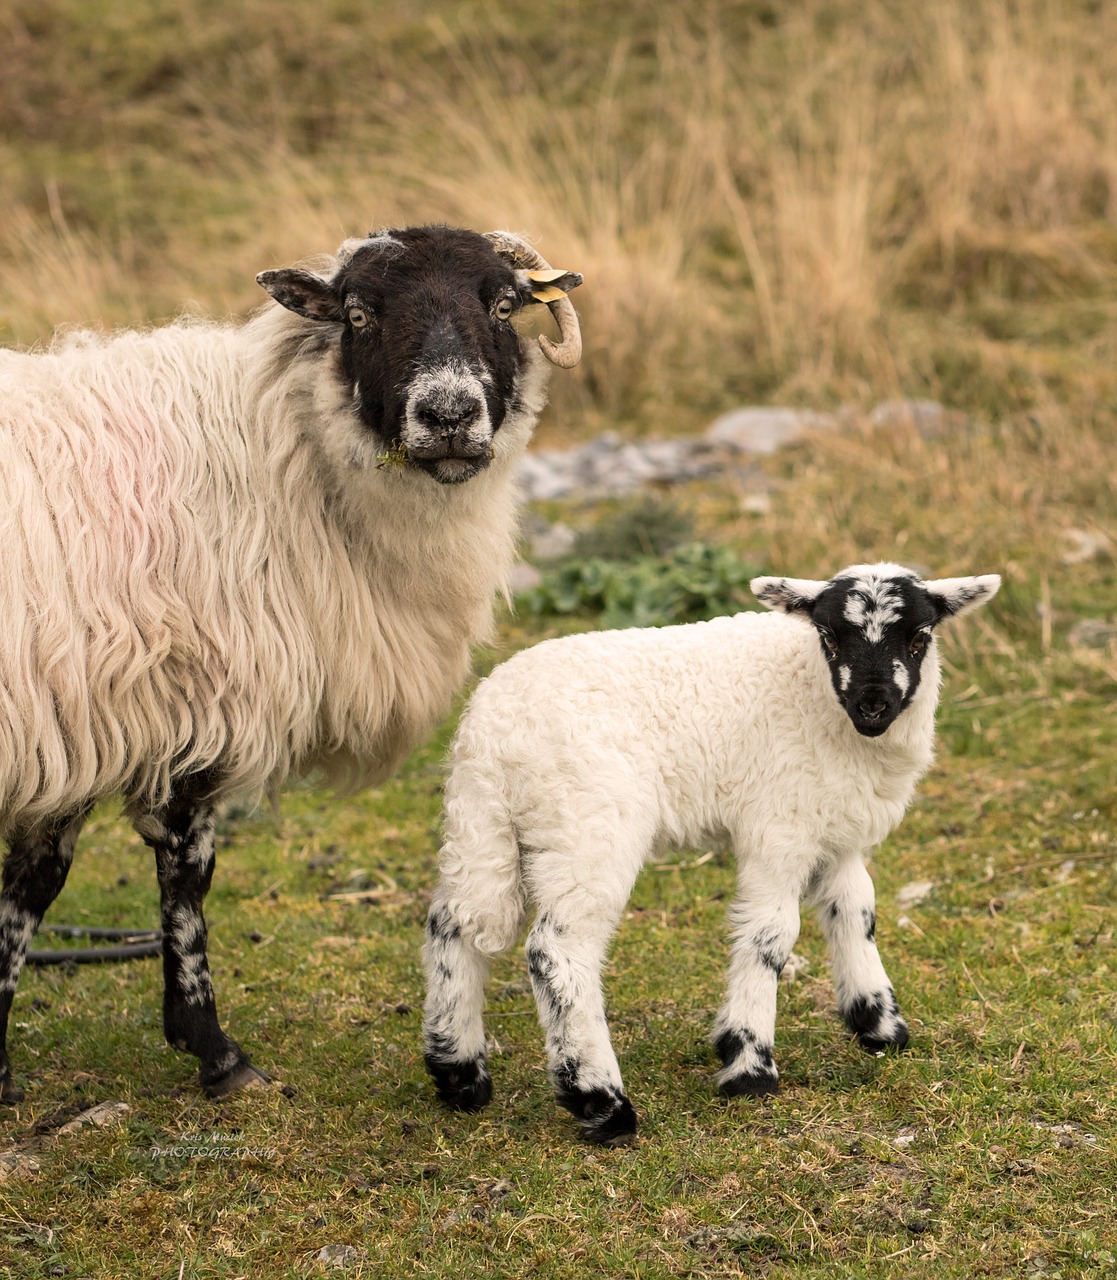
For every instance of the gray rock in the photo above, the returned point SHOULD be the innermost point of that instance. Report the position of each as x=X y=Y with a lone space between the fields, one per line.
x=1093 y=633
x=551 y=543
x=340 y=1256
x=523 y=577
x=762 y=430
x=928 y=417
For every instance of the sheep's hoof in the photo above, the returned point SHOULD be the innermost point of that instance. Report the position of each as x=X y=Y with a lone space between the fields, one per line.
x=242 y=1075
x=607 y=1118
x=750 y=1085
x=10 y=1092
x=465 y=1086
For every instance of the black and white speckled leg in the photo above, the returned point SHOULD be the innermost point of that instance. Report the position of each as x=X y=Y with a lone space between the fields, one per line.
x=846 y=911
x=35 y=870
x=182 y=837
x=453 y=1031
x=764 y=923
x=565 y=954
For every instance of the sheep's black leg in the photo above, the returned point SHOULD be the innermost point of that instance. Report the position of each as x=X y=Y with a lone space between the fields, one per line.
x=182 y=837
x=35 y=870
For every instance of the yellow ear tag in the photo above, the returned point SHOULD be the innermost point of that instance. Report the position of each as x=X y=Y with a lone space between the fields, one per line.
x=551 y=293
x=545 y=277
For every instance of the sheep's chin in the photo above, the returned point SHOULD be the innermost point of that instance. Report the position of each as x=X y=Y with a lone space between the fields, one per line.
x=452 y=470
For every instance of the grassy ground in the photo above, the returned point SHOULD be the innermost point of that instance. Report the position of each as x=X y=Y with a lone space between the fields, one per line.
x=986 y=1149
x=828 y=204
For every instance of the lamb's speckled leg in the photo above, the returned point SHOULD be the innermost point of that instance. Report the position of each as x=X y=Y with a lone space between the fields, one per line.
x=35 y=870
x=764 y=921
x=845 y=899
x=182 y=837
x=453 y=1031
x=565 y=953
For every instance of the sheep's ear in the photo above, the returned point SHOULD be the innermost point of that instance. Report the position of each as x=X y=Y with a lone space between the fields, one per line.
x=955 y=596
x=549 y=285
x=792 y=595
x=300 y=291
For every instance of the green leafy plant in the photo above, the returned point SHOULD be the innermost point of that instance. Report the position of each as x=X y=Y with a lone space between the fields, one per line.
x=697 y=580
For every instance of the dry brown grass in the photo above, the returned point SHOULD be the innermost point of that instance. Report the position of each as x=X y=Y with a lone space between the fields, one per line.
x=829 y=204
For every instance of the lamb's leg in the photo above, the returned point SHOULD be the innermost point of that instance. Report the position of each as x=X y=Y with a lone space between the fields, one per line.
x=453 y=1032
x=565 y=953
x=182 y=837
x=35 y=870
x=845 y=901
x=764 y=923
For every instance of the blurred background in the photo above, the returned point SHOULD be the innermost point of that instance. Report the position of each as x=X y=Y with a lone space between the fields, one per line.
x=818 y=203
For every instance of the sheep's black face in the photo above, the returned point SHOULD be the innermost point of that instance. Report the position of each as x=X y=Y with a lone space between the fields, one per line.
x=428 y=351
x=875 y=626
x=874 y=632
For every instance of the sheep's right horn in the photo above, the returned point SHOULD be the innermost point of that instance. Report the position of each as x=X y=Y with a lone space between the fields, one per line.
x=518 y=253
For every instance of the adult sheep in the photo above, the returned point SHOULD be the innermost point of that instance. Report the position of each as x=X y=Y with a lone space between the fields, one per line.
x=800 y=734
x=234 y=553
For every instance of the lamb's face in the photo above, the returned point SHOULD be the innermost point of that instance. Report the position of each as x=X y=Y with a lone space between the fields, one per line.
x=428 y=353
x=875 y=627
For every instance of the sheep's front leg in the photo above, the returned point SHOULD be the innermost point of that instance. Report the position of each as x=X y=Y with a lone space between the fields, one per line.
x=565 y=953
x=764 y=923
x=35 y=870
x=846 y=909
x=182 y=838
x=453 y=1032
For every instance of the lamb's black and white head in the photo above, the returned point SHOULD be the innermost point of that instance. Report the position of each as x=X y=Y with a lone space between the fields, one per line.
x=429 y=355
x=876 y=626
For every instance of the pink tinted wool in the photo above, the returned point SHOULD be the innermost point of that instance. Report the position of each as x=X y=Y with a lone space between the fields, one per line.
x=199 y=567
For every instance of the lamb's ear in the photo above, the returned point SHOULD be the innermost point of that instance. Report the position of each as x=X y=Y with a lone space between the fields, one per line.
x=305 y=294
x=954 y=596
x=792 y=595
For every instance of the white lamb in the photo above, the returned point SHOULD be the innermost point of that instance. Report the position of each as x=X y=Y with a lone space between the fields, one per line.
x=801 y=734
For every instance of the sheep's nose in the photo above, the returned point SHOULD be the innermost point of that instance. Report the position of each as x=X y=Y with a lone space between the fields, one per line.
x=872 y=705
x=446 y=419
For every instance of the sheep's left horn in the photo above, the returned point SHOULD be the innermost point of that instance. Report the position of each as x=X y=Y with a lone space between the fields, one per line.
x=518 y=253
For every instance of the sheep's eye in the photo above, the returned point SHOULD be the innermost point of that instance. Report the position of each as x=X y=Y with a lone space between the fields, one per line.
x=504 y=308
x=357 y=317
x=828 y=641
x=919 y=642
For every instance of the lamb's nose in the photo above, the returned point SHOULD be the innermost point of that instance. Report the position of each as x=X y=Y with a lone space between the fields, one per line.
x=872 y=706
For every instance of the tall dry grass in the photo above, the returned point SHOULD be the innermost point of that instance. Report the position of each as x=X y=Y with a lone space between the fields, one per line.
x=824 y=203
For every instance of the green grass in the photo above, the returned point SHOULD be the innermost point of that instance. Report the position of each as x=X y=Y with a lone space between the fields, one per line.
x=826 y=204
x=986 y=1149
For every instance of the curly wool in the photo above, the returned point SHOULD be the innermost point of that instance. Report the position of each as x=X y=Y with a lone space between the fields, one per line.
x=199 y=574
x=634 y=740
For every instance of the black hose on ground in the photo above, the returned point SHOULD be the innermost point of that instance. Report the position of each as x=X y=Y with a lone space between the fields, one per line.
x=140 y=943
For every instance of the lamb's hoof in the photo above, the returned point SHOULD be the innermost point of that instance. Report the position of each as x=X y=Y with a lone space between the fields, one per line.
x=897 y=1039
x=465 y=1086
x=242 y=1075
x=750 y=1085
x=607 y=1119
x=10 y=1092
x=876 y=1022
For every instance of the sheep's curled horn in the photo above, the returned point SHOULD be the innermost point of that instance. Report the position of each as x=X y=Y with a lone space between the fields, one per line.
x=518 y=253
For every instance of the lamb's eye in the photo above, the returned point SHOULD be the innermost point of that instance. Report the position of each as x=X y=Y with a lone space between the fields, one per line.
x=918 y=643
x=357 y=317
x=828 y=641
x=504 y=308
